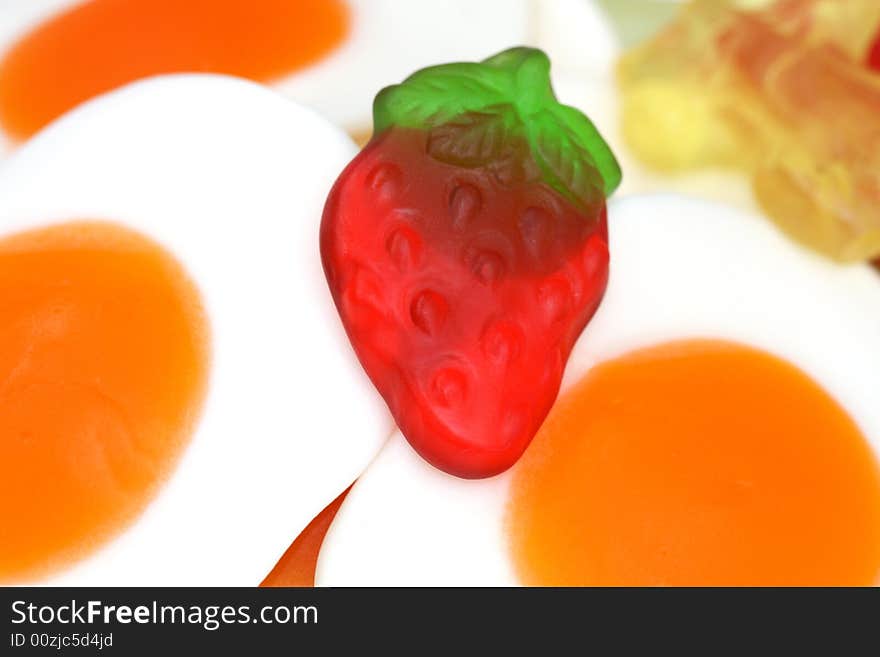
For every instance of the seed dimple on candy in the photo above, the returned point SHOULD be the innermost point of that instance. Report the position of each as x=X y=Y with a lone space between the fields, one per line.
x=487 y=266
x=464 y=205
x=502 y=342
x=595 y=256
x=536 y=229
x=555 y=298
x=385 y=180
x=428 y=311
x=364 y=289
x=449 y=387
x=404 y=246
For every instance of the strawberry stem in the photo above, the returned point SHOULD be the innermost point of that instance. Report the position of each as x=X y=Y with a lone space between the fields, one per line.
x=571 y=154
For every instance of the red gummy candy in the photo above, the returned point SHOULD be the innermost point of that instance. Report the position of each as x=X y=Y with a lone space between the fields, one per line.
x=874 y=54
x=463 y=278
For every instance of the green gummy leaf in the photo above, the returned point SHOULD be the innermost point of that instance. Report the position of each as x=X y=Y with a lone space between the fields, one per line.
x=471 y=139
x=474 y=109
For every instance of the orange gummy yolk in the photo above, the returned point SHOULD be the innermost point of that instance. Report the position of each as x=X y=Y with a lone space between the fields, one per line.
x=99 y=45
x=697 y=463
x=103 y=367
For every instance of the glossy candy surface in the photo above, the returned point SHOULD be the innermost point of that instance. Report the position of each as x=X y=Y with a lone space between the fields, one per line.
x=781 y=92
x=466 y=248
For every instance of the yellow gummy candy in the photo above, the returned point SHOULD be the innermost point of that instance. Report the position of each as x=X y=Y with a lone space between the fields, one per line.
x=780 y=90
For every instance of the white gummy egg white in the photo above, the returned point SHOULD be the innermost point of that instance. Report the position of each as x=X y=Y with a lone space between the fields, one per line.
x=680 y=268
x=231 y=179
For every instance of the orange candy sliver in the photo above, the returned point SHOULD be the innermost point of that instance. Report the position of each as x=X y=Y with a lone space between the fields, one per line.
x=297 y=566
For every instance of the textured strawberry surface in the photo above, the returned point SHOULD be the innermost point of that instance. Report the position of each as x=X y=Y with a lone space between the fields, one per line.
x=462 y=289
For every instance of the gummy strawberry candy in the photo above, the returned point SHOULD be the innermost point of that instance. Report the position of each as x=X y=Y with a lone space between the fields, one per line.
x=466 y=249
